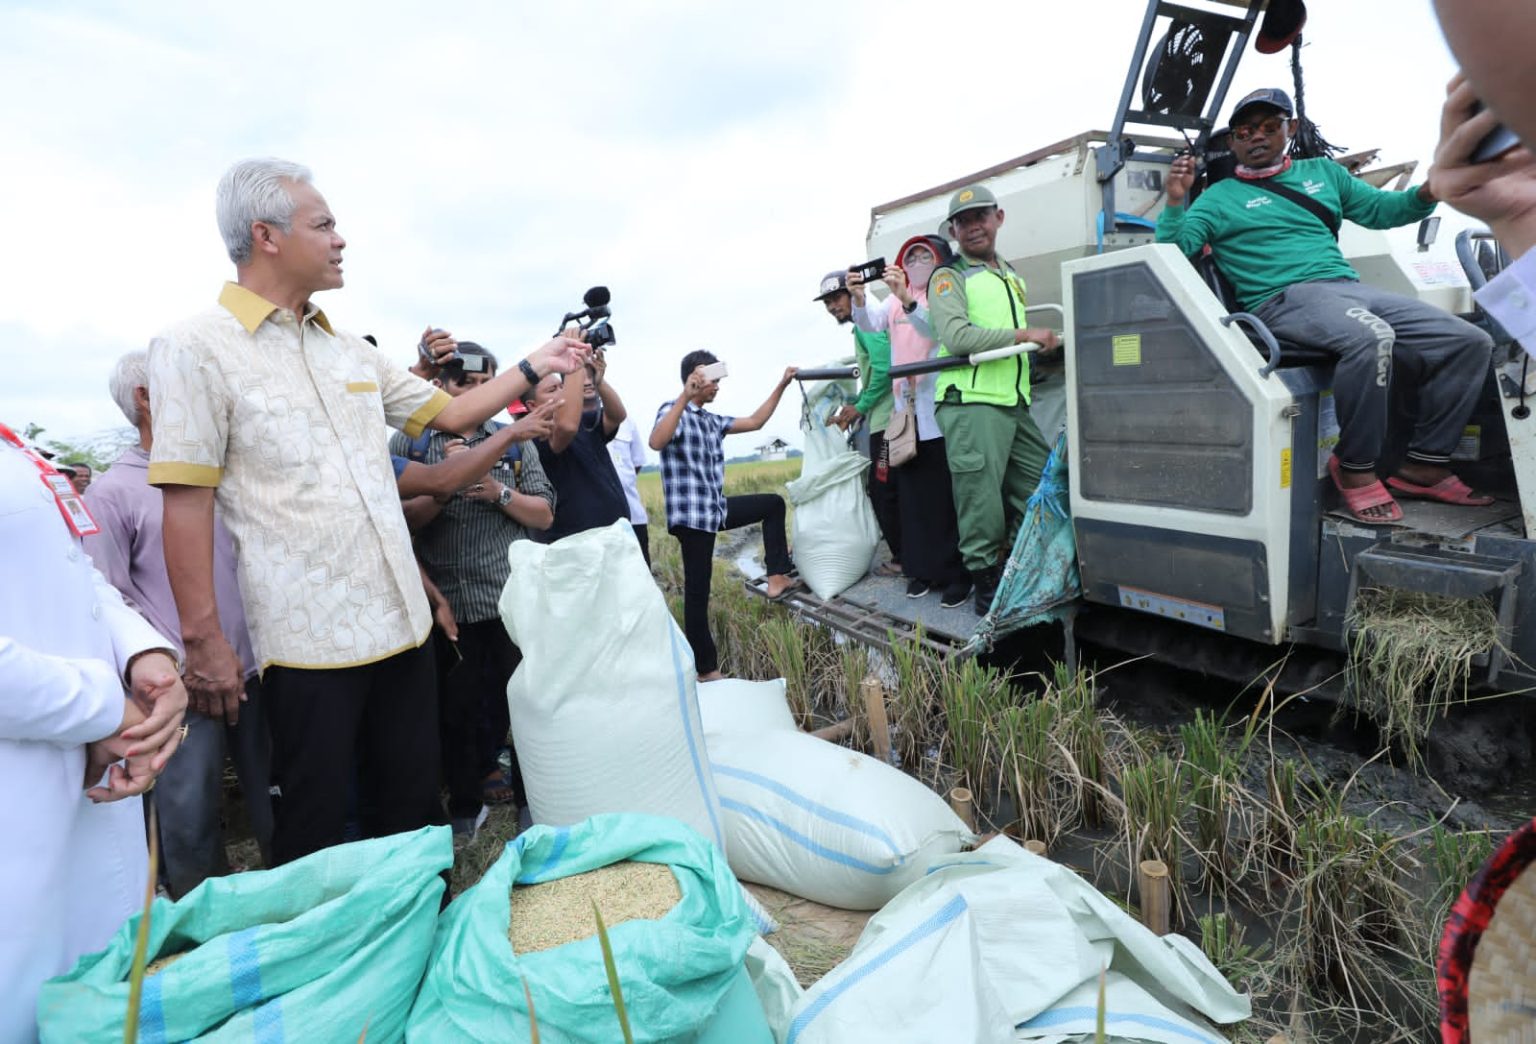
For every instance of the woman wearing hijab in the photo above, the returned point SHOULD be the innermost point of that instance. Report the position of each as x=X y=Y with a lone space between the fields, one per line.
x=930 y=552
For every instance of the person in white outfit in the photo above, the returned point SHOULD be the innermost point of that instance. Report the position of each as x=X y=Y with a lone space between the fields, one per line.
x=627 y=449
x=86 y=684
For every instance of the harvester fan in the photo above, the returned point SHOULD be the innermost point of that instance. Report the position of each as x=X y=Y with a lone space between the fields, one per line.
x=1182 y=68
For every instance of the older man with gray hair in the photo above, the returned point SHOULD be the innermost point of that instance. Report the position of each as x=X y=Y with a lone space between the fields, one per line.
x=129 y=552
x=263 y=404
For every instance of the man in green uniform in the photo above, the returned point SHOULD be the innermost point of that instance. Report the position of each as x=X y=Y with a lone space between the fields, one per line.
x=996 y=453
x=873 y=351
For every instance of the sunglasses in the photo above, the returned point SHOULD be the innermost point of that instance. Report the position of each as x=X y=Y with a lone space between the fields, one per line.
x=1267 y=126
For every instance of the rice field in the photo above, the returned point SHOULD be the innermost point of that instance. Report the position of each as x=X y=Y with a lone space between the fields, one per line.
x=1321 y=900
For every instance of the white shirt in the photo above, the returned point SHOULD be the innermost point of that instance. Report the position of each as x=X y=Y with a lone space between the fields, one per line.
x=628 y=453
x=1510 y=297
x=70 y=871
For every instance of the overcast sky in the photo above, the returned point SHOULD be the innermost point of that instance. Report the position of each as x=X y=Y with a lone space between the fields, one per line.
x=487 y=162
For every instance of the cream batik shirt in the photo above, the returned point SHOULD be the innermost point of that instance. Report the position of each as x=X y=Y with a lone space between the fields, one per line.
x=286 y=418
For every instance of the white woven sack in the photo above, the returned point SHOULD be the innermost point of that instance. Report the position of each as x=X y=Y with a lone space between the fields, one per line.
x=603 y=709
x=824 y=822
x=735 y=705
x=835 y=533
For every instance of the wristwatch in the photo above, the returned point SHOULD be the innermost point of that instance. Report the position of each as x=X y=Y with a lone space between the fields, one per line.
x=504 y=497
x=910 y=306
x=528 y=372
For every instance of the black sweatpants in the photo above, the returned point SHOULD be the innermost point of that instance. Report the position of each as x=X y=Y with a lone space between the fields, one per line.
x=326 y=724
x=473 y=714
x=883 y=497
x=1381 y=337
x=698 y=548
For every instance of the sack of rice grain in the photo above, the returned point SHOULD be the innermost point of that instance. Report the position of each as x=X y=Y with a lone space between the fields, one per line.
x=675 y=918
x=812 y=818
x=603 y=709
x=316 y=950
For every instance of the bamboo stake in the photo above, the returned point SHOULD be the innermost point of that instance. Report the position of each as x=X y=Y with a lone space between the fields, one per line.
x=835 y=733
x=964 y=806
x=879 y=724
x=1156 y=892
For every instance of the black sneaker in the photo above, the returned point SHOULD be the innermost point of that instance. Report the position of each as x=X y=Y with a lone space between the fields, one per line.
x=917 y=588
x=955 y=594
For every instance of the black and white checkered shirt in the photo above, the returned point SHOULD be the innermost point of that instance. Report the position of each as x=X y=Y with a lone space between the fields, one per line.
x=693 y=469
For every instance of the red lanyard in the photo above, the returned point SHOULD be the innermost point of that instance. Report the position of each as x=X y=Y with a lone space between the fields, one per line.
x=75 y=513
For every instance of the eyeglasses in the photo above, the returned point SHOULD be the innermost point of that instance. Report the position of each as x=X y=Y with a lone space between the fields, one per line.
x=1267 y=126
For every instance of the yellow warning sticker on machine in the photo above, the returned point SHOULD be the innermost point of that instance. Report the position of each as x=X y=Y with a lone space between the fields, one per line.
x=1125 y=350
x=1285 y=468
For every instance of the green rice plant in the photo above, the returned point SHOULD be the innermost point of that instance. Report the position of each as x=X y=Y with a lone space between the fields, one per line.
x=1156 y=792
x=850 y=667
x=1454 y=858
x=1221 y=940
x=1028 y=758
x=914 y=702
x=1410 y=658
x=613 y=975
x=785 y=647
x=141 y=940
x=1281 y=812
x=1213 y=774
x=1348 y=907
x=970 y=694
x=1083 y=736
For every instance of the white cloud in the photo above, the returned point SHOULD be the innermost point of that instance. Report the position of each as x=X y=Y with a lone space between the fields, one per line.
x=488 y=162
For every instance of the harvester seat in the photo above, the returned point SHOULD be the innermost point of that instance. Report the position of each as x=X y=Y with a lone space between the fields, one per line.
x=1291 y=353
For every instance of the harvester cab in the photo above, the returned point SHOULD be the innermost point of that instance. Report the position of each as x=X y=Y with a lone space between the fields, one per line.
x=1199 y=442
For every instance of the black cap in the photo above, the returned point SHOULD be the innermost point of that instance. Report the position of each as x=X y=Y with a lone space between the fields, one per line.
x=1274 y=97
x=831 y=283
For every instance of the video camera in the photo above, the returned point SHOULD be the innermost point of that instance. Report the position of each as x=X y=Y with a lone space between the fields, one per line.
x=593 y=320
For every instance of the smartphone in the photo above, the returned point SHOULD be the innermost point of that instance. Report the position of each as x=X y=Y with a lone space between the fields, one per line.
x=714 y=371
x=426 y=356
x=871 y=271
x=1497 y=142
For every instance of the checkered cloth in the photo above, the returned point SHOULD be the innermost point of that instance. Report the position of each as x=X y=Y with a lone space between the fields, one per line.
x=693 y=469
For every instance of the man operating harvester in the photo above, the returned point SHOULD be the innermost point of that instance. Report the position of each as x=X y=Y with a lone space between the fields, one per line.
x=996 y=453
x=1273 y=231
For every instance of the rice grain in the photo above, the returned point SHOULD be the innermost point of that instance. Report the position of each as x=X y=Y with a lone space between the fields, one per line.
x=558 y=912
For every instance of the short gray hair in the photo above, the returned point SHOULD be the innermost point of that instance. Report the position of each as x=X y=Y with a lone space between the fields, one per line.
x=253 y=190
x=131 y=371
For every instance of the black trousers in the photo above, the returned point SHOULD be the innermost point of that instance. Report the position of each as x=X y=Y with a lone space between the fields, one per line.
x=643 y=534
x=698 y=548
x=473 y=719
x=927 y=503
x=883 y=496
x=375 y=723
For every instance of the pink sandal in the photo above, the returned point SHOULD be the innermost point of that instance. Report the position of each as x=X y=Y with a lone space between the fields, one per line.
x=1449 y=490
x=1360 y=499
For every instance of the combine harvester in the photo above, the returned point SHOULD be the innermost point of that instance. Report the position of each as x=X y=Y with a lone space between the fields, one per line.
x=1205 y=526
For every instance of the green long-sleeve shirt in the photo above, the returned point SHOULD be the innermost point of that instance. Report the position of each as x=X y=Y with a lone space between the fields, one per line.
x=874 y=355
x=1264 y=243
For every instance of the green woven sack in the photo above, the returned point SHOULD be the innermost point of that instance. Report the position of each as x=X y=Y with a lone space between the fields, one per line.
x=319 y=949
x=681 y=976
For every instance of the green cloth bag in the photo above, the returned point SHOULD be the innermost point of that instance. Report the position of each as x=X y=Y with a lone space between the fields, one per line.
x=319 y=949
x=677 y=973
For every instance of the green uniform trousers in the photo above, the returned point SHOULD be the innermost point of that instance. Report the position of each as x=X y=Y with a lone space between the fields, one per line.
x=996 y=456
